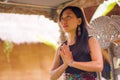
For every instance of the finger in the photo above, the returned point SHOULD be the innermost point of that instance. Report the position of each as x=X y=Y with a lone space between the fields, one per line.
x=66 y=46
x=66 y=49
x=61 y=53
x=63 y=49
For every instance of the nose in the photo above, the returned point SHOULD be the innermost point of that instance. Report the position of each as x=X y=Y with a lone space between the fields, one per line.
x=64 y=21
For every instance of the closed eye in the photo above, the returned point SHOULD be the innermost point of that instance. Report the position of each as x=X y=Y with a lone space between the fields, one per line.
x=66 y=18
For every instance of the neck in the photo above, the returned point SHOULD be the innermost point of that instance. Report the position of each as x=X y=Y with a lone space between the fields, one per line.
x=71 y=38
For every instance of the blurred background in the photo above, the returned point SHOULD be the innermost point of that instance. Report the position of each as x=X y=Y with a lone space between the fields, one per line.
x=30 y=34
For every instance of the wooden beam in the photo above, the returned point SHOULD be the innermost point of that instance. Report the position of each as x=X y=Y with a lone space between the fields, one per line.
x=26 y=5
x=80 y=3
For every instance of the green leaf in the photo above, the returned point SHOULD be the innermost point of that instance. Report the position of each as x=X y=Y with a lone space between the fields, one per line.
x=109 y=8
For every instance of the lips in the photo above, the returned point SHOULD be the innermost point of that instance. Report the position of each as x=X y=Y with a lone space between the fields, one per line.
x=64 y=26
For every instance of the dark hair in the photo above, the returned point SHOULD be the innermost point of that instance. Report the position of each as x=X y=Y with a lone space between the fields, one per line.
x=82 y=39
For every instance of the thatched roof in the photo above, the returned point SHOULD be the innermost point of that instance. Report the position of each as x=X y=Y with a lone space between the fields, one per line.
x=50 y=8
x=47 y=8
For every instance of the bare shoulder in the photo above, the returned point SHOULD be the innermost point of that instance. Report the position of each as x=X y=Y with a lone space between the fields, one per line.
x=93 y=42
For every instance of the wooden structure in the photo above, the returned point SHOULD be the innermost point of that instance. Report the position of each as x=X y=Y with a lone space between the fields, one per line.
x=114 y=51
x=107 y=31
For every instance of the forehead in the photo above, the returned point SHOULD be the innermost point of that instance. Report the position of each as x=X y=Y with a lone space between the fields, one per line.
x=68 y=11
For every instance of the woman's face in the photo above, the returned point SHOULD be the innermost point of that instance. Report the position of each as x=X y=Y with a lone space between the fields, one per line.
x=69 y=21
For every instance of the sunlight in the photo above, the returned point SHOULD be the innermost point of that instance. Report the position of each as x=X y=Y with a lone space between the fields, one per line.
x=104 y=8
x=28 y=28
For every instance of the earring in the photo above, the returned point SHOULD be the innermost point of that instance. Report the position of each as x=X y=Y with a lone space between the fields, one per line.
x=79 y=31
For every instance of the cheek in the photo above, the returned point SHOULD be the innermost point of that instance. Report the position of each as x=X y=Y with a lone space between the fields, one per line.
x=74 y=23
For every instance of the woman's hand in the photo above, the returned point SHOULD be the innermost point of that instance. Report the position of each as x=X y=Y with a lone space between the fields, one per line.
x=66 y=54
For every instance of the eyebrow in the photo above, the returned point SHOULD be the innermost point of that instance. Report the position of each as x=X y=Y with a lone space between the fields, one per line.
x=68 y=14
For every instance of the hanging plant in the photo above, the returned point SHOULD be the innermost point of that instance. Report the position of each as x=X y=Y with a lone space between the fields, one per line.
x=7 y=49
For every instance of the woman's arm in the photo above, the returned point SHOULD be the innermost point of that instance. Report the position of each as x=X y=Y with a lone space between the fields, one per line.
x=57 y=69
x=96 y=65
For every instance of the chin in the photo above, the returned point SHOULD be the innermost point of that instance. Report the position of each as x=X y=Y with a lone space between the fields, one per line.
x=65 y=30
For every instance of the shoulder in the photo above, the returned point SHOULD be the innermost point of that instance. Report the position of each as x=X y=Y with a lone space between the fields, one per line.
x=94 y=45
x=92 y=40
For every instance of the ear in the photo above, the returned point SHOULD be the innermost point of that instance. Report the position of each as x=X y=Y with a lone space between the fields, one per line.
x=79 y=21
